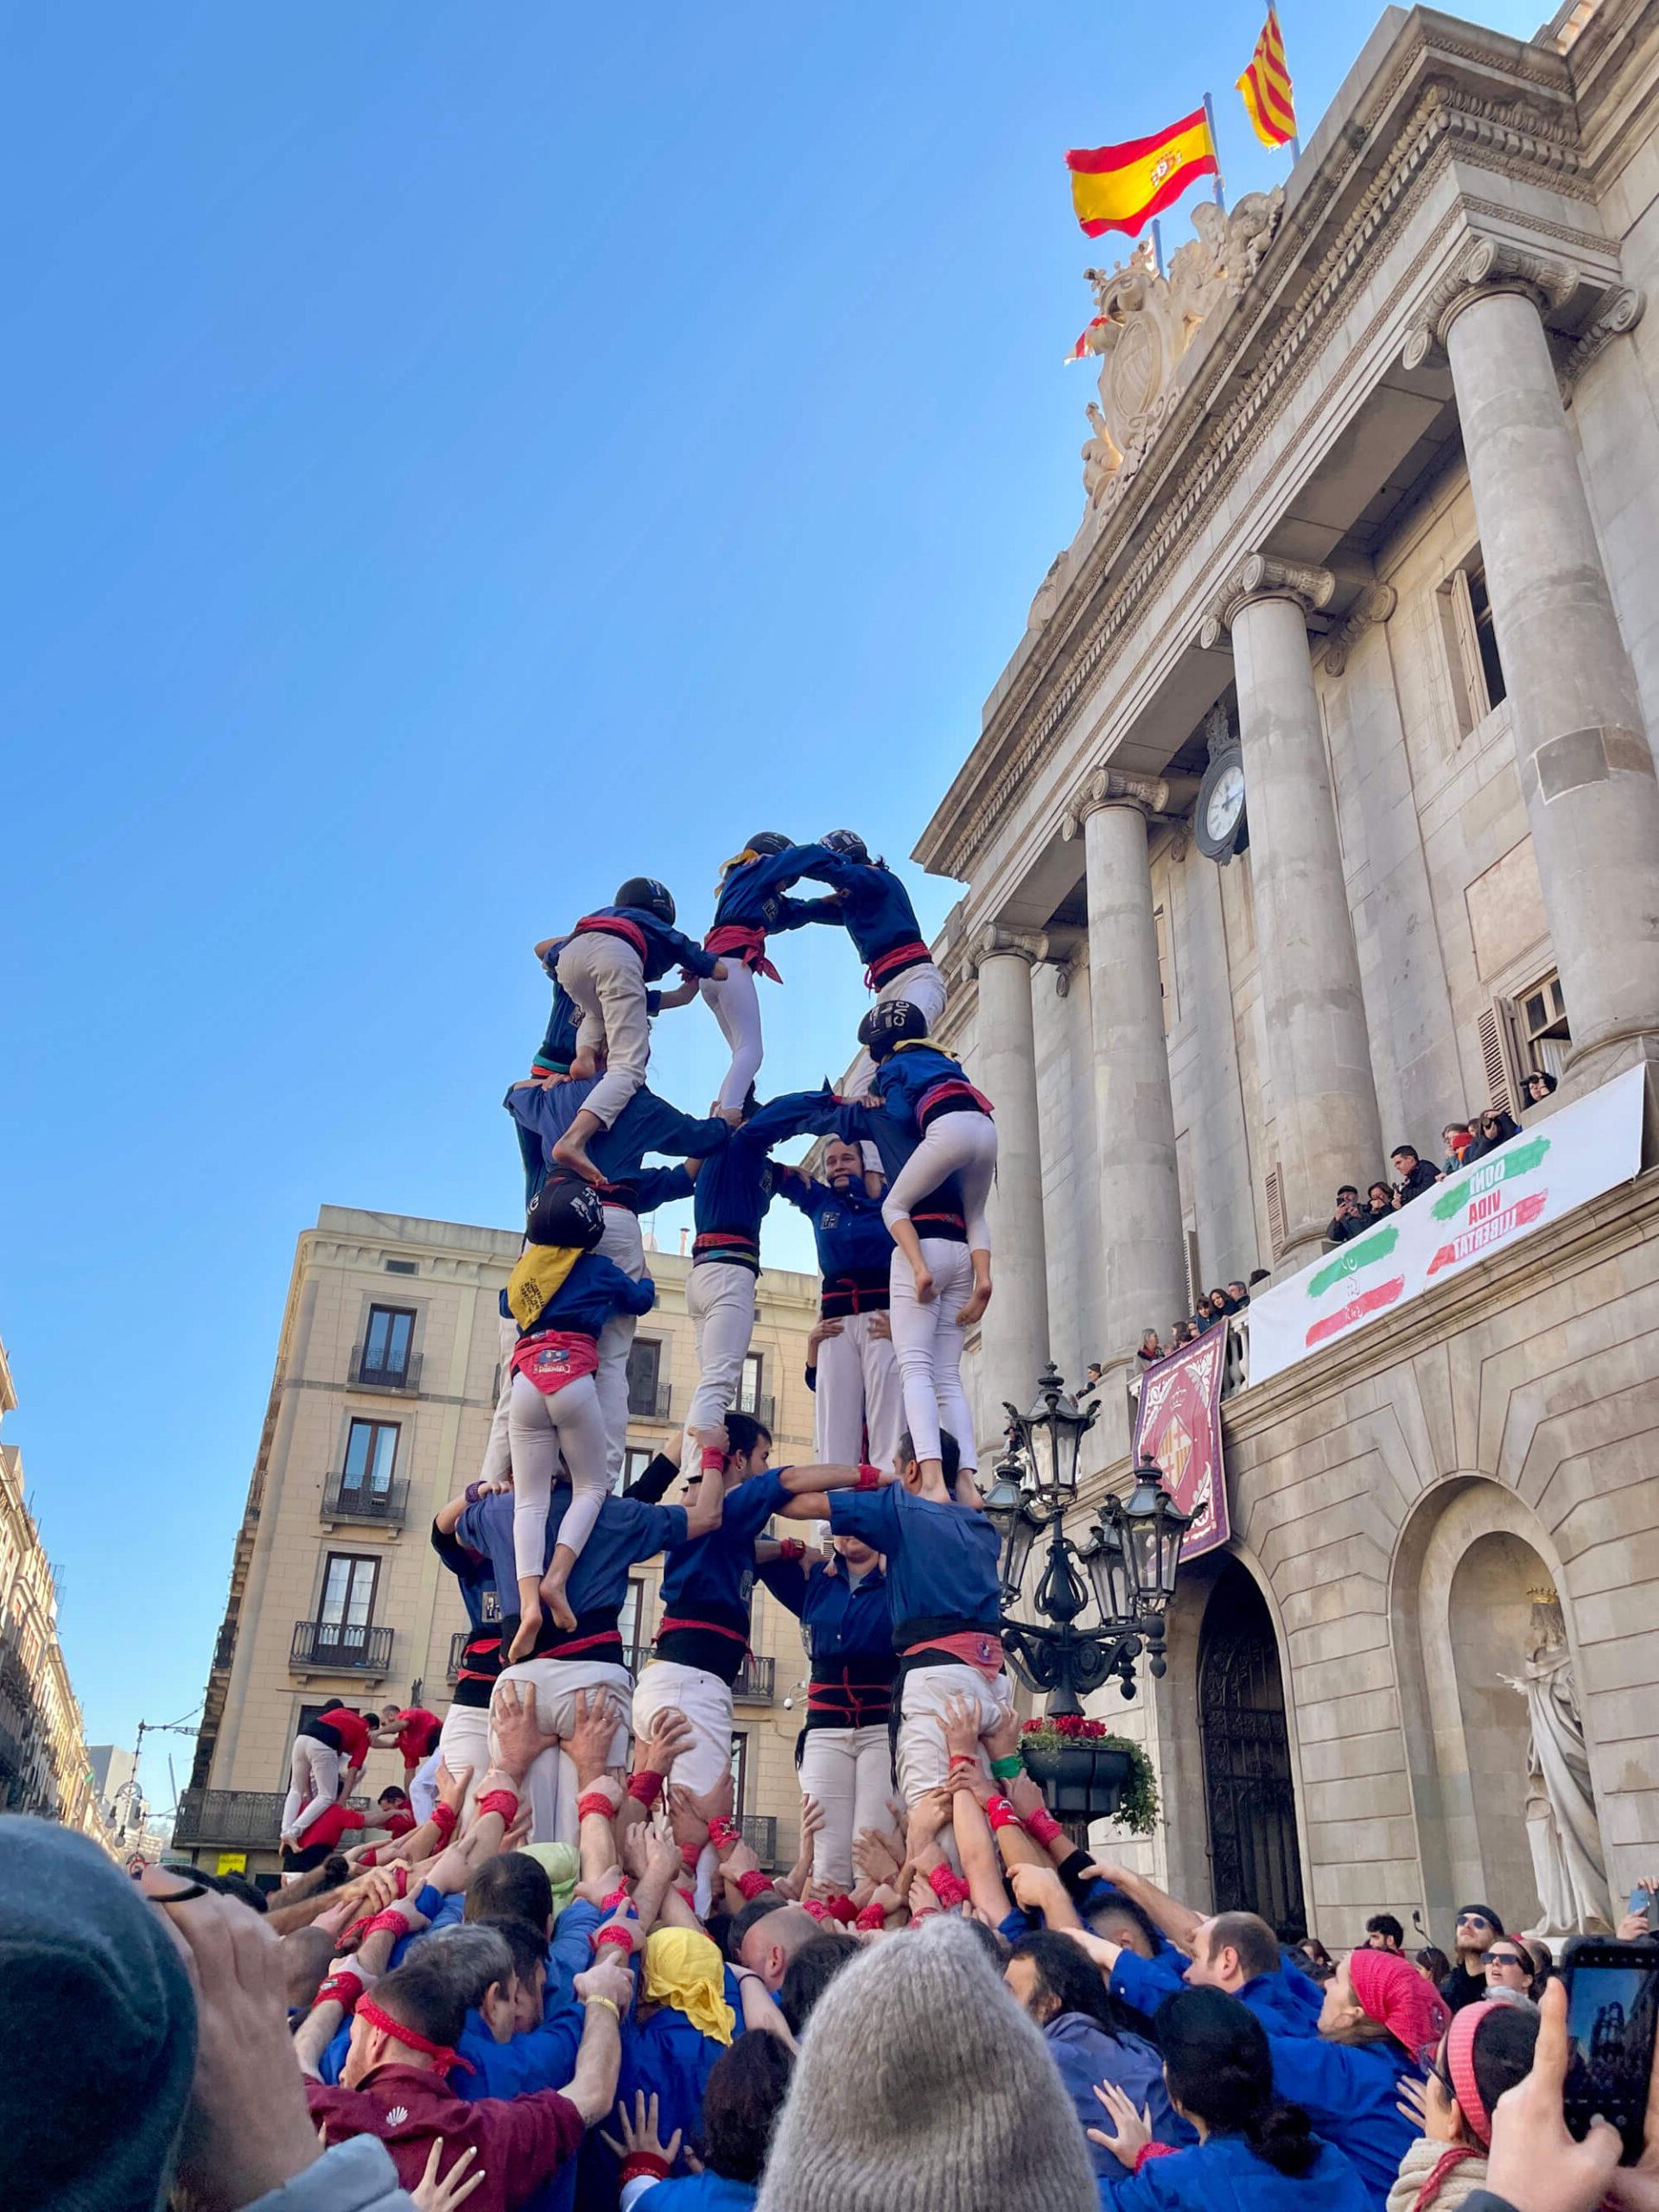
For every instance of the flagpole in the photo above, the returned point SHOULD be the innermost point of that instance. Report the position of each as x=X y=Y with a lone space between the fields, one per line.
x=1158 y=245
x=1295 y=143
x=1209 y=118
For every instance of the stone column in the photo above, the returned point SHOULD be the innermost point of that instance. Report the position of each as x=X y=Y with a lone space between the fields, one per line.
x=1134 y=1117
x=1326 y=1125
x=1580 y=749
x=1014 y=1332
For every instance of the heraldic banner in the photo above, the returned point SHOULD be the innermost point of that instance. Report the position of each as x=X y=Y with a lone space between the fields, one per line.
x=1177 y=1425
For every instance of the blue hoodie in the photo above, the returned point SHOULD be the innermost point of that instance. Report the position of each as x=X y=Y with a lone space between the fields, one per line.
x=1087 y=2056
x=1350 y=2091
x=1225 y=2175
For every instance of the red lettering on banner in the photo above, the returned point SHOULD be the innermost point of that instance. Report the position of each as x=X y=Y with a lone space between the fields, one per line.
x=1490 y=1232
x=1356 y=1309
x=1483 y=1208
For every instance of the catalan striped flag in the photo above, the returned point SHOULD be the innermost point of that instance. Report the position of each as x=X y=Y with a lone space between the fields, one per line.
x=1122 y=187
x=1265 y=87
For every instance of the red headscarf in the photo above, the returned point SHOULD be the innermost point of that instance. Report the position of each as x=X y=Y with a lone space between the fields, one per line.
x=1406 y=2002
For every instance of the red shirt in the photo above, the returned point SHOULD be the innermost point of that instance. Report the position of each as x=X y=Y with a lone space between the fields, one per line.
x=521 y=2141
x=330 y=1825
x=417 y=1731
x=351 y=1730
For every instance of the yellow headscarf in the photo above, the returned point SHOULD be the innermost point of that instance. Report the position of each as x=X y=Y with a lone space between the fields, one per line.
x=922 y=1043
x=538 y=1278
x=684 y=1969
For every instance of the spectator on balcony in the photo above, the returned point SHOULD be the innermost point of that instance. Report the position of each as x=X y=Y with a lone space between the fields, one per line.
x=1093 y=1372
x=1456 y=1137
x=1239 y=1292
x=1349 y=1219
x=1416 y=1174
x=1495 y=1127
x=1379 y=1203
x=1150 y=1351
x=1541 y=1085
x=1221 y=1307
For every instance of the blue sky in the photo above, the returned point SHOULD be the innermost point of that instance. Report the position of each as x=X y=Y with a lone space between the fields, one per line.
x=458 y=457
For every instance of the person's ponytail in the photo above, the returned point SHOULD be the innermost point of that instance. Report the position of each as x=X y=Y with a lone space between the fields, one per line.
x=1282 y=2136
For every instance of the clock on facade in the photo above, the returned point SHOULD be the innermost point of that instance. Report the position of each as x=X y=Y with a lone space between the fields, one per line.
x=1220 y=823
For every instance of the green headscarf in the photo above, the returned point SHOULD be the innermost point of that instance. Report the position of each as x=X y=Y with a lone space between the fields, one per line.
x=559 y=1862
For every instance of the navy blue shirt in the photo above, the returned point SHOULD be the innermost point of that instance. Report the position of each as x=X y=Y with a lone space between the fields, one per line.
x=736 y=1185
x=480 y=1655
x=943 y=1571
x=646 y=1123
x=847 y=1631
x=625 y=1533
x=751 y=897
x=595 y=1289
x=710 y=1579
x=847 y=1225
x=905 y=1076
x=875 y=910
x=665 y=948
x=938 y=1215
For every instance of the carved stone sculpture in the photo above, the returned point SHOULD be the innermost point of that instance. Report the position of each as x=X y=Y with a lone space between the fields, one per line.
x=1562 y=1829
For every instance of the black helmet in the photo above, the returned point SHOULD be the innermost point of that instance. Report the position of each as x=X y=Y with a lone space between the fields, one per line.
x=767 y=841
x=566 y=1214
x=848 y=843
x=654 y=898
x=894 y=1021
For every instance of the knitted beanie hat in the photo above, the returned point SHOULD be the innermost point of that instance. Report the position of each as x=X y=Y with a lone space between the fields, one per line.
x=1406 y=2002
x=98 y=2018
x=922 y=2087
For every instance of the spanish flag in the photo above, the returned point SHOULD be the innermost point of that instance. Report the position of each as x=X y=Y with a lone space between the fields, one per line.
x=1121 y=187
x=1265 y=87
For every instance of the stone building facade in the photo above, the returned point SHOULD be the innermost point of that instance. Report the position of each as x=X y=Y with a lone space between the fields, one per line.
x=385 y=1379
x=45 y=1768
x=1371 y=536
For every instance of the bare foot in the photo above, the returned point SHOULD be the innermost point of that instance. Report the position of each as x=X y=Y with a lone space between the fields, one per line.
x=582 y=1064
x=558 y=1604
x=978 y=1299
x=524 y=1644
x=924 y=1286
x=571 y=1154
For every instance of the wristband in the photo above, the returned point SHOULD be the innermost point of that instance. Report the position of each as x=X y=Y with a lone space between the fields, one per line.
x=596 y=1802
x=646 y=1788
x=390 y=1921
x=844 y=1910
x=353 y=1936
x=637 y=2163
x=505 y=1801
x=712 y=1462
x=817 y=1907
x=790 y=1547
x=949 y=1888
x=341 y=1987
x=443 y=1818
x=1005 y=1769
x=368 y=1857
x=687 y=1895
x=724 y=1832
x=753 y=1885
x=1042 y=1826
x=689 y=1854
x=616 y=1900
x=401 y=1875
x=963 y=1759
x=430 y=1902
x=1002 y=1815
x=609 y=2003
x=614 y=1932
x=872 y=1917
x=927 y=1912
x=868 y=1478
x=1072 y=1869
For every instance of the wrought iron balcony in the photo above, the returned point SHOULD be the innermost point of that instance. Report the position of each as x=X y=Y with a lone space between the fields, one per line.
x=375 y=1375
x=225 y=1648
x=760 y=1833
x=761 y=1406
x=230 y=1816
x=344 y=1498
x=649 y=1401
x=757 y=1680
x=338 y=1648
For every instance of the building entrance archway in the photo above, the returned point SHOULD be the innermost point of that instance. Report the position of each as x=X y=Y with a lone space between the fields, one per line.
x=1250 y=1796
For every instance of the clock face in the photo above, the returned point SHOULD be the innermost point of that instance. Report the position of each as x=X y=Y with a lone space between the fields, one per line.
x=1226 y=802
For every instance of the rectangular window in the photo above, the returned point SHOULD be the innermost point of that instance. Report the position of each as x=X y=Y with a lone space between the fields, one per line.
x=748 y=1388
x=1470 y=642
x=371 y=1456
x=1542 y=1026
x=630 y=1623
x=635 y=1460
x=1480 y=611
x=644 y=1369
x=346 y=1612
x=387 y=1344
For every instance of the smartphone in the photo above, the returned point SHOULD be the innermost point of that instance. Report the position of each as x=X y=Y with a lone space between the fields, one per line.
x=1612 y=2005
x=1642 y=1899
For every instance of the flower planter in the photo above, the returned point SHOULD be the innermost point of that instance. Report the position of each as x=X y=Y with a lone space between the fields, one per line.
x=1080 y=1781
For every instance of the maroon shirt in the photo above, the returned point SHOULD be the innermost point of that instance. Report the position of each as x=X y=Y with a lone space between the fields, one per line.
x=521 y=2141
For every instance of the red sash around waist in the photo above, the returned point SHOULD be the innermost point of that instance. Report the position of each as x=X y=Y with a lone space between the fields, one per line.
x=972 y=1647
x=954 y=1092
x=748 y=943
x=886 y=965
x=670 y=1622
x=612 y=925
x=553 y=1358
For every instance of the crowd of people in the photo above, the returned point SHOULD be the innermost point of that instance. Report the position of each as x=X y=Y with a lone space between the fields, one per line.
x=1466 y=1142
x=1214 y=1309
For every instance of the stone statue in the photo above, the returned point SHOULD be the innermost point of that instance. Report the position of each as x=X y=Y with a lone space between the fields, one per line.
x=1562 y=1829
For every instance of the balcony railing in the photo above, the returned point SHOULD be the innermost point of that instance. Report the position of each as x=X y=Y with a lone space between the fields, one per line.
x=761 y=1407
x=649 y=1401
x=375 y=1375
x=344 y=1498
x=249 y=1816
x=337 y=1648
x=760 y=1833
x=757 y=1680
x=224 y=1648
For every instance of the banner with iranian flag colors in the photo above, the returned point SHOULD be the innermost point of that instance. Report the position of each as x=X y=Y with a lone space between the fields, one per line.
x=1535 y=1178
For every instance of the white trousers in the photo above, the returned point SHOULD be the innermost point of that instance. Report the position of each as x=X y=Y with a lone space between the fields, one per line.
x=624 y=1243
x=605 y=979
x=720 y=1298
x=849 y=1772
x=706 y=1702
x=927 y=1344
x=541 y=1425
x=923 y=1763
x=314 y=1774
x=963 y=1145
x=463 y=1742
x=858 y=1389
x=736 y=1004
x=551 y=1782
x=497 y=1450
x=923 y=987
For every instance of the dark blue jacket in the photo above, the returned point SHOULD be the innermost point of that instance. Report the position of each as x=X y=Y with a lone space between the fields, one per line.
x=736 y=1184
x=1350 y=2091
x=646 y=1123
x=595 y=1289
x=847 y=1225
x=875 y=910
x=665 y=948
x=751 y=897
x=1086 y=2056
x=712 y=1576
x=905 y=1078
x=943 y=1561
x=481 y=1656
x=1286 y=2003
x=1225 y=2175
x=705 y=2192
x=847 y=1631
x=940 y=1213
x=625 y=1533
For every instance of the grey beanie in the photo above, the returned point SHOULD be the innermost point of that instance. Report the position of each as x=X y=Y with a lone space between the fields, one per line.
x=97 y=2024
x=922 y=2087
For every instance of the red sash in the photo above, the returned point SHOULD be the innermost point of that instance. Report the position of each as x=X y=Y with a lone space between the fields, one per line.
x=613 y=926
x=973 y=1647
x=949 y=1088
x=553 y=1358
x=748 y=944
x=886 y=965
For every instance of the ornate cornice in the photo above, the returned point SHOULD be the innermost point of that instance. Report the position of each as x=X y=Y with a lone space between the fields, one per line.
x=1375 y=604
x=1263 y=576
x=1490 y=265
x=1148 y=795
x=992 y=941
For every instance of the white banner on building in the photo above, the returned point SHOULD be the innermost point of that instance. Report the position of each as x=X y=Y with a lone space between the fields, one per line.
x=1531 y=1180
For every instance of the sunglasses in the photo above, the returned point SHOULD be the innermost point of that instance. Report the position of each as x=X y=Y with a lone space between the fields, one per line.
x=1473 y=1920
x=1507 y=1958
